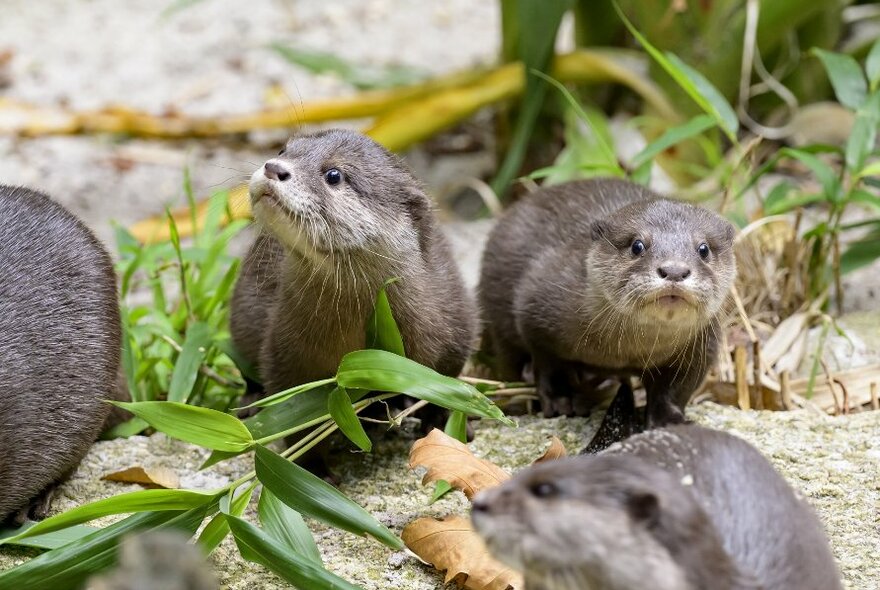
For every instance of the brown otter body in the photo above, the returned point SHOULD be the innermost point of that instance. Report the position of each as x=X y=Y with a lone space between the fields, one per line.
x=340 y=215
x=678 y=508
x=60 y=347
x=604 y=277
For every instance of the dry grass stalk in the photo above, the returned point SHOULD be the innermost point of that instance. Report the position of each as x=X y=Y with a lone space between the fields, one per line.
x=742 y=385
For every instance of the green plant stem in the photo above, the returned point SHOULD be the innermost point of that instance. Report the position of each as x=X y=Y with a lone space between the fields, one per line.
x=294 y=430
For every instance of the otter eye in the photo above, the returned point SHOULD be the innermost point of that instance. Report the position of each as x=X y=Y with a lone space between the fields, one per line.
x=637 y=247
x=703 y=251
x=281 y=153
x=543 y=490
x=333 y=176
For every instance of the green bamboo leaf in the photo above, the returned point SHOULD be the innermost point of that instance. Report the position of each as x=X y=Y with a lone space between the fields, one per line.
x=673 y=136
x=201 y=426
x=701 y=91
x=67 y=567
x=283 y=396
x=861 y=253
x=295 y=412
x=382 y=331
x=312 y=496
x=192 y=354
x=245 y=367
x=456 y=427
x=872 y=65
x=824 y=173
x=864 y=133
x=342 y=412
x=142 y=501
x=287 y=526
x=217 y=529
x=718 y=107
x=255 y=545
x=125 y=429
x=846 y=77
x=871 y=169
x=51 y=540
x=378 y=370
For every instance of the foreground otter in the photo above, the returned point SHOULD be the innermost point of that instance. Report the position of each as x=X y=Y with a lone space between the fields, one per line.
x=60 y=347
x=603 y=277
x=339 y=216
x=678 y=508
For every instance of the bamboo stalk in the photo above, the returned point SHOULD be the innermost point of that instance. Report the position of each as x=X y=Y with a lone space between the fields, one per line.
x=742 y=384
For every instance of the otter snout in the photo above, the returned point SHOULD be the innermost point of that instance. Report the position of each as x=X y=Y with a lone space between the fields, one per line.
x=673 y=271
x=275 y=171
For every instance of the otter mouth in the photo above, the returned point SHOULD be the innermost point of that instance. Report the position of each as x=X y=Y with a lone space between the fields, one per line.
x=673 y=298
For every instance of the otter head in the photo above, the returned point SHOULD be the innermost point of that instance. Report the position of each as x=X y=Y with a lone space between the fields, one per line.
x=663 y=261
x=338 y=191
x=590 y=522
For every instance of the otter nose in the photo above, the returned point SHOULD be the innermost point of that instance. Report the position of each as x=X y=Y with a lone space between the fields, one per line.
x=674 y=272
x=275 y=171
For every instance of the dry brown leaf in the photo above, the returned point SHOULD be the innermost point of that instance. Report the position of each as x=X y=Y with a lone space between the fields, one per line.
x=452 y=544
x=556 y=450
x=449 y=459
x=149 y=477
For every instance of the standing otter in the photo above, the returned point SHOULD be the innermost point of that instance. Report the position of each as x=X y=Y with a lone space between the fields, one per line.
x=604 y=277
x=678 y=508
x=59 y=355
x=339 y=216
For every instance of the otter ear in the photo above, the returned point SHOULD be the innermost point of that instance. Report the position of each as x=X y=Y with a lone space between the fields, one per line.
x=644 y=507
x=599 y=229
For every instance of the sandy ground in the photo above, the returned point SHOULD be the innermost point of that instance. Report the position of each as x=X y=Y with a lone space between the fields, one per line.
x=208 y=59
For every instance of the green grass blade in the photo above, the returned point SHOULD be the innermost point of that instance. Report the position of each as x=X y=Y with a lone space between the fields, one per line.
x=861 y=252
x=846 y=77
x=863 y=137
x=701 y=91
x=192 y=354
x=340 y=409
x=255 y=545
x=872 y=66
x=824 y=173
x=201 y=426
x=378 y=370
x=287 y=526
x=312 y=496
x=67 y=567
x=382 y=331
x=536 y=26
x=141 y=501
x=361 y=76
x=673 y=136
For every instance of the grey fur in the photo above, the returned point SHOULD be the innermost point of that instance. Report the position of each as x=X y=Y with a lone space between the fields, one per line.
x=309 y=281
x=60 y=349
x=677 y=508
x=561 y=288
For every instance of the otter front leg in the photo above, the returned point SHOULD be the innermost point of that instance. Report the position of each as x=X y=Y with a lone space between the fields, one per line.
x=669 y=389
x=556 y=383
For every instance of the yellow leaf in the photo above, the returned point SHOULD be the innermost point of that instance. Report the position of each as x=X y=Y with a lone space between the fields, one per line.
x=450 y=460
x=452 y=545
x=556 y=450
x=149 y=477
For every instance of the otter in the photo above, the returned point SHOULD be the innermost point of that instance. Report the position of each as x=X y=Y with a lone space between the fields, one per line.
x=339 y=215
x=603 y=277
x=676 y=508
x=60 y=351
